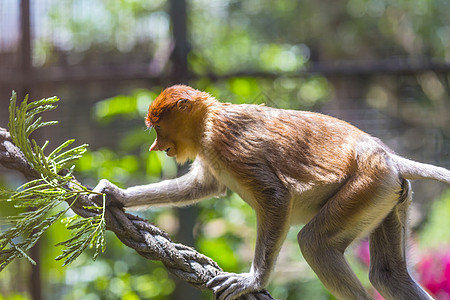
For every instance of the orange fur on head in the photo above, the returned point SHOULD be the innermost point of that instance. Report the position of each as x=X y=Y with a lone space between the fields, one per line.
x=168 y=100
x=180 y=123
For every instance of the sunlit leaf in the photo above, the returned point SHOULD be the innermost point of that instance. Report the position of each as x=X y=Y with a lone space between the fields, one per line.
x=42 y=198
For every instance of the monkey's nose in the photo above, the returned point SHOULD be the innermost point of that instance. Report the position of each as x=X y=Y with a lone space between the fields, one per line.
x=154 y=146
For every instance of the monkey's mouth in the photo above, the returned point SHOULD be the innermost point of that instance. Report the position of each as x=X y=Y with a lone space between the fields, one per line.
x=171 y=151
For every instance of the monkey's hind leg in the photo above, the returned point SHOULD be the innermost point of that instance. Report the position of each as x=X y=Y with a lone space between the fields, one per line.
x=388 y=270
x=354 y=211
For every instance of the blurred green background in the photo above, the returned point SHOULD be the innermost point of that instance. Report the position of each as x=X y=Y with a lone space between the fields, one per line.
x=382 y=65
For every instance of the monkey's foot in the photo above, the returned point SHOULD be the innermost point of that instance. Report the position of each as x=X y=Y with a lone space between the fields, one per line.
x=229 y=286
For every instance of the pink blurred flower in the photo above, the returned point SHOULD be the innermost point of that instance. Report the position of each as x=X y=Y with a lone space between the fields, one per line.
x=362 y=252
x=433 y=270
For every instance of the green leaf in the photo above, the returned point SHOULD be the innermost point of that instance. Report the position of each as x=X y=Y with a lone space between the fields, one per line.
x=42 y=198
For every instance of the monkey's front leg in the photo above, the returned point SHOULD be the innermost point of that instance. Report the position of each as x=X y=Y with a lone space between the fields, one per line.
x=273 y=226
x=196 y=185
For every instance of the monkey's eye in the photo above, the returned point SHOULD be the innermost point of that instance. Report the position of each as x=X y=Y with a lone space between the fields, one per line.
x=157 y=127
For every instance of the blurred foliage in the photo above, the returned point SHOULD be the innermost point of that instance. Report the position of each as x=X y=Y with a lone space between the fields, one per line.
x=242 y=37
x=121 y=274
x=286 y=35
x=282 y=92
x=435 y=232
x=234 y=37
x=84 y=30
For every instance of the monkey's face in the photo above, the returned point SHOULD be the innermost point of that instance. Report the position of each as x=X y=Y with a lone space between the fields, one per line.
x=174 y=136
x=177 y=114
x=162 y=143
x=165 y=139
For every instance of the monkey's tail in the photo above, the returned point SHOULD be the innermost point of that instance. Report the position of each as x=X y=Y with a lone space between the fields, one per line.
x=410 y=169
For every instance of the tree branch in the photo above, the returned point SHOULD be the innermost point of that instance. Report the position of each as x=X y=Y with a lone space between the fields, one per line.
x=148 y=240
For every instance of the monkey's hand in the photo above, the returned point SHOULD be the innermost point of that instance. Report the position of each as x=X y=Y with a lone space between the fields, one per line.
x=115 y=196
x=229 y=286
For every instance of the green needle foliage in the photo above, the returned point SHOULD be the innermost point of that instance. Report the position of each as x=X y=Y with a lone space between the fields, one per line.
x=43 y=201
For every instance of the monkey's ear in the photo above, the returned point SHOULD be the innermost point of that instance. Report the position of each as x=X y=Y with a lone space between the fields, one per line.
x=184 y=104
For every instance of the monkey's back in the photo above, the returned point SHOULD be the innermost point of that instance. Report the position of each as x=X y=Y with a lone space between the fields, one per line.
x=298 y=146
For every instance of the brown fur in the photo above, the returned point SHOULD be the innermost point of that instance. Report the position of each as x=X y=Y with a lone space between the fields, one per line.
x=291 y=167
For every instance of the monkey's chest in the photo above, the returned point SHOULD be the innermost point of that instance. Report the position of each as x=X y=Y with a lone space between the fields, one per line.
x=235 y=185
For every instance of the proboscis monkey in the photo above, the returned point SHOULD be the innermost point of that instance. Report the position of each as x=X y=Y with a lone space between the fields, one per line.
x=291 y=167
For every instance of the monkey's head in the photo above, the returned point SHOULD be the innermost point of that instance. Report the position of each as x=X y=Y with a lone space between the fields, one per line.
x=177 y=115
